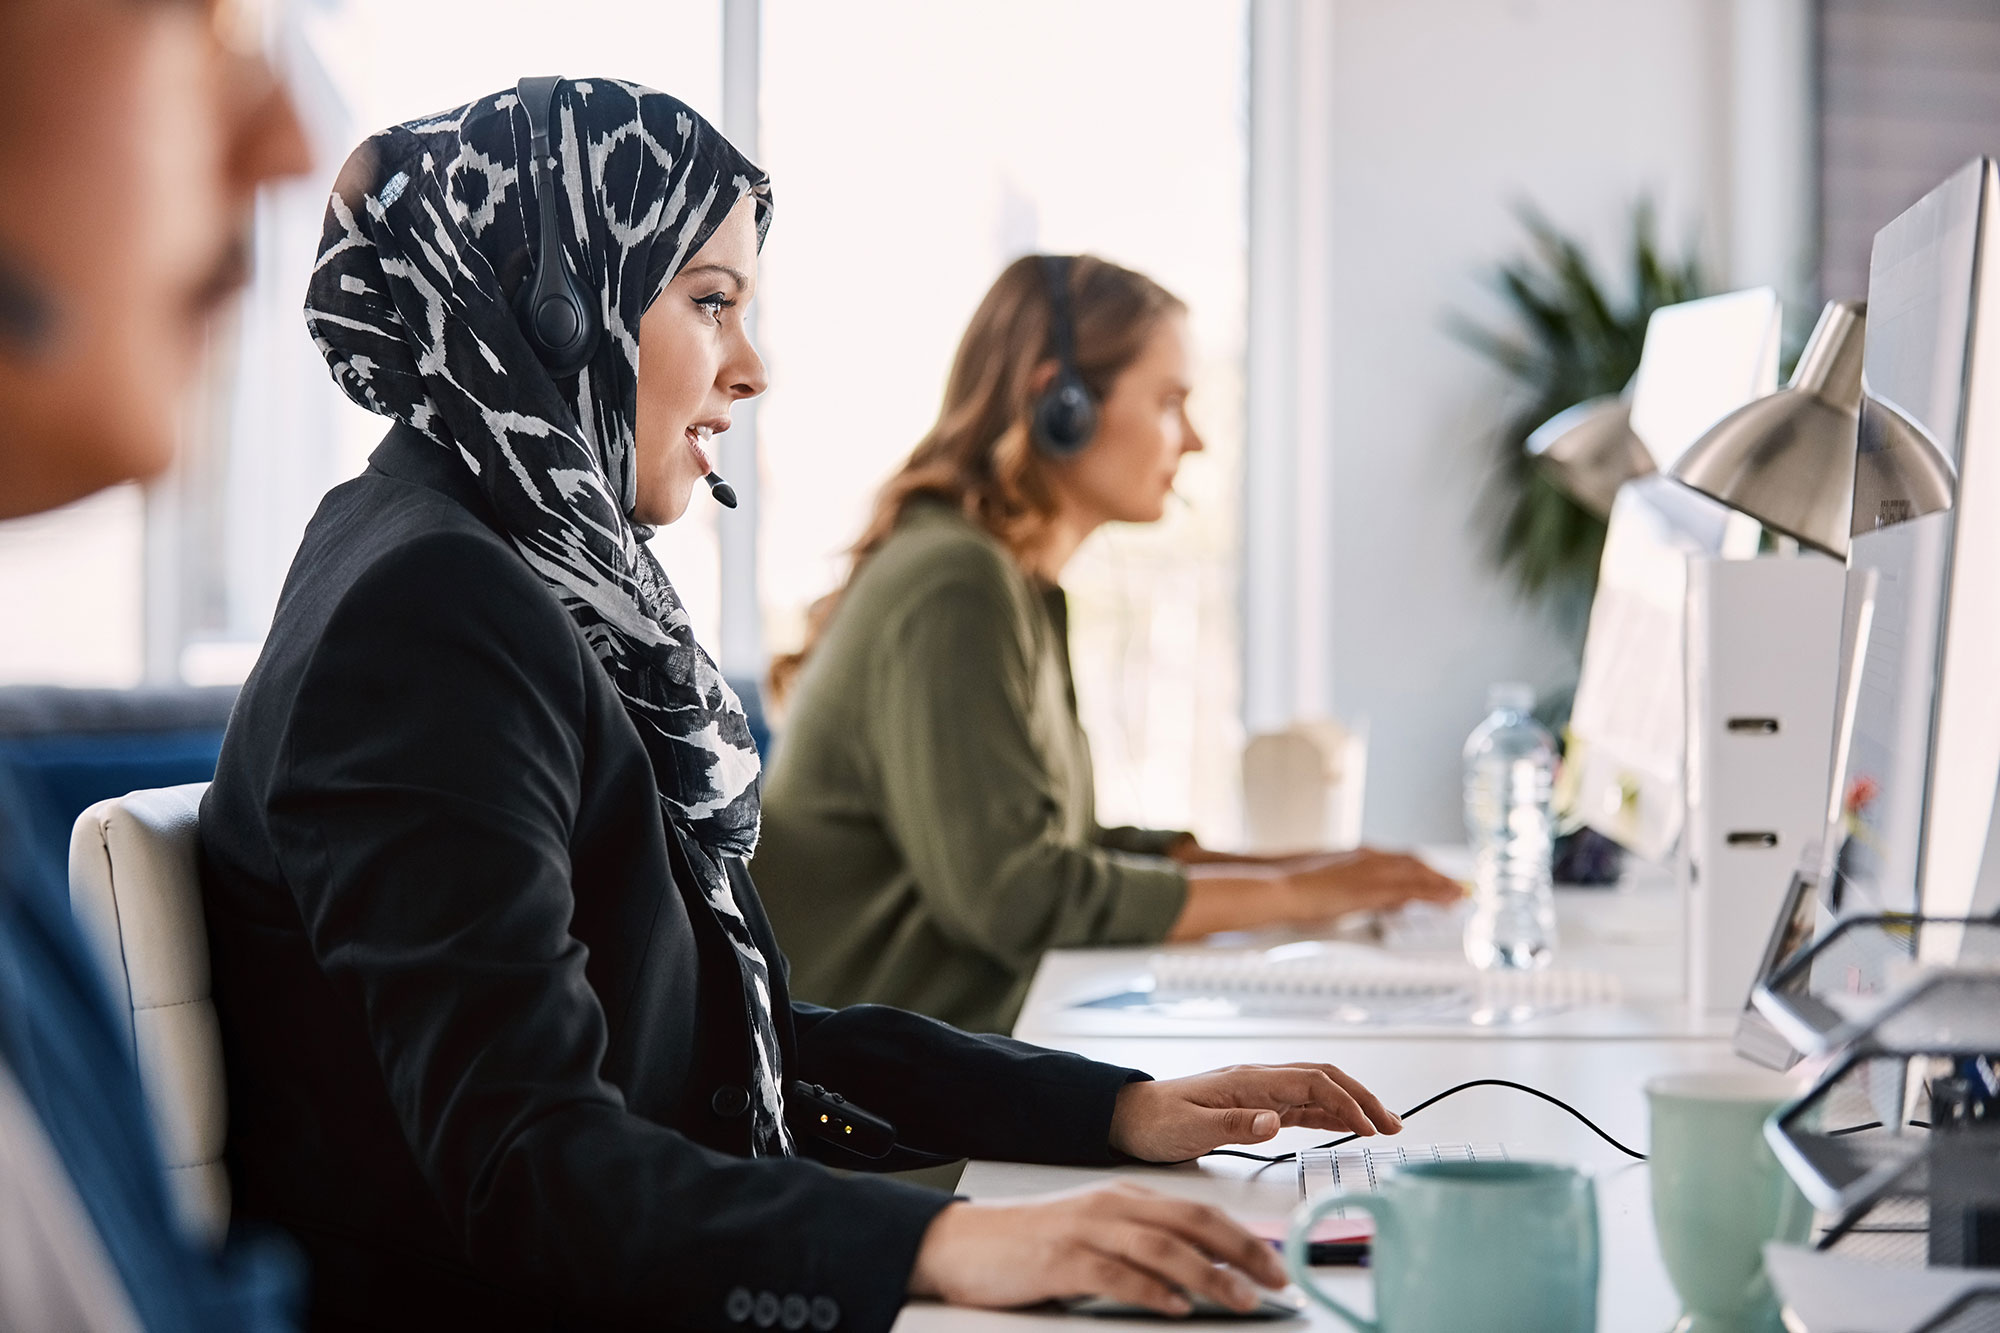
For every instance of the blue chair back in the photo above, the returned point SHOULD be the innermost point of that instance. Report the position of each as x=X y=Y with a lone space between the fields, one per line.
x=67 y=749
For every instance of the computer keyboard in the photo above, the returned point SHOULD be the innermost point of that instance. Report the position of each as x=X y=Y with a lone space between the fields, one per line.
x=1317 y=974
x=1358 y=1170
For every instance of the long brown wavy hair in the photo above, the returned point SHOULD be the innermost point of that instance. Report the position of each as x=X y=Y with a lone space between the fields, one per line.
x=978 y=456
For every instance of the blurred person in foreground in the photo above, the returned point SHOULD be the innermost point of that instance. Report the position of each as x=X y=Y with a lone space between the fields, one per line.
x=930 y=828
x=133 y=135
x=510 y=1042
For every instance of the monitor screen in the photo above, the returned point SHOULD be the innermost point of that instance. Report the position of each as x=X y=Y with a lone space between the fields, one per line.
x=1902 y=813
x=1624 y=771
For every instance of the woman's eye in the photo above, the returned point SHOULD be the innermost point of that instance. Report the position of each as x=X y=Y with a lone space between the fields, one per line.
x=714 y=304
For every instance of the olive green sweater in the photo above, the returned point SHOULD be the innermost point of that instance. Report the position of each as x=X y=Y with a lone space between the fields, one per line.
x=929 y=825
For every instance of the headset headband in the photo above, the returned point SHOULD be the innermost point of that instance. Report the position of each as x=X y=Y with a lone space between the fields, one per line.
x=1055 y=271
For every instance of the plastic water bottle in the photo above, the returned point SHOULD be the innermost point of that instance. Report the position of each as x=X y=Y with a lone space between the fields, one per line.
x=1510 y=768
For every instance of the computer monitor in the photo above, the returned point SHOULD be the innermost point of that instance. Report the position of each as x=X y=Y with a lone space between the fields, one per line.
x=1911 y=825
x=1624 y=773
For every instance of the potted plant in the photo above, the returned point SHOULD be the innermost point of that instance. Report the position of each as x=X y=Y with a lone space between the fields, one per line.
x=1572 y=338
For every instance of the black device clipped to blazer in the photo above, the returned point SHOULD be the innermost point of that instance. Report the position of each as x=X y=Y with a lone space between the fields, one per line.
x=558 y=317
x=830 y=1116
x=1065 y=415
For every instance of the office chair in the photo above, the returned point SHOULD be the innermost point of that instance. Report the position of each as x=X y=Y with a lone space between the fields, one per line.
x=1303 y=787
x=134 y=890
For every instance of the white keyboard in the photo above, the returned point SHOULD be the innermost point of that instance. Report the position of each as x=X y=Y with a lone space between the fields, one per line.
x=1359 y=1170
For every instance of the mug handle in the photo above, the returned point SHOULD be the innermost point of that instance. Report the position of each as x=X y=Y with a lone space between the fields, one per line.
x=1303 y=1221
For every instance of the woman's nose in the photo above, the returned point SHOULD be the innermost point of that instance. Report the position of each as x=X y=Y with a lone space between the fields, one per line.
x=1191 y=441
x=745 y=373
x=270 y=142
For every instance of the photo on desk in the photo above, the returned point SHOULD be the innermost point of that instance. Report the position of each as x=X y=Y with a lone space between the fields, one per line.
x=1802 y=920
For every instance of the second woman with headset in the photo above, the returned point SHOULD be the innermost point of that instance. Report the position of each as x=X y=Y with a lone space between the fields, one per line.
x=929 y=822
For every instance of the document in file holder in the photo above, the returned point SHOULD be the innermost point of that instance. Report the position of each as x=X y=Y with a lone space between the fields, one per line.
x=1353 y=986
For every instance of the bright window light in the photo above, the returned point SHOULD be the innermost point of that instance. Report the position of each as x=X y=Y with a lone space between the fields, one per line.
x=915 y=148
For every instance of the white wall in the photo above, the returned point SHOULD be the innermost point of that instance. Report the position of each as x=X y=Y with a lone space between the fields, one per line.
x=1443 y=114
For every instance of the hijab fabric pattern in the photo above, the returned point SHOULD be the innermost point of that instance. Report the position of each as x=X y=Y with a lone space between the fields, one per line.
x=429 y=232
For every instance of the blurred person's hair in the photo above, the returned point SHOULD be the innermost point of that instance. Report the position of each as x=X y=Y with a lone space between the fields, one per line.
x=978 y=456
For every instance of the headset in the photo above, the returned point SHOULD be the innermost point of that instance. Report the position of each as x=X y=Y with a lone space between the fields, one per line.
x=558 y=318
x=1065 y=416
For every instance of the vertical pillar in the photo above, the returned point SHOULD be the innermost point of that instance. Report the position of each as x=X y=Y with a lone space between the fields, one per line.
x=1287 y=592
x=742 y=647
x=1772 y=234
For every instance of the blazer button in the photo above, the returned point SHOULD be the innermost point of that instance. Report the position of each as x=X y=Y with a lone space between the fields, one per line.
x=729 y=1101
x=794 y=1313
x=737 y=1305
x=825 y=1314
x=765 y=1312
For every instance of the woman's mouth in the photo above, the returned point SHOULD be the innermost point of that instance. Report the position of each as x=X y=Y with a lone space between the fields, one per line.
x=698 y=438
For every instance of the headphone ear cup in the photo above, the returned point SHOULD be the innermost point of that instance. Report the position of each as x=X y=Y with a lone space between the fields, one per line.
x=558 y=321
x=1065 y=418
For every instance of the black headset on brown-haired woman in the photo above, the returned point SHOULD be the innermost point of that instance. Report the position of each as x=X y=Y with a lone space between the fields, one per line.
x=1065 y=416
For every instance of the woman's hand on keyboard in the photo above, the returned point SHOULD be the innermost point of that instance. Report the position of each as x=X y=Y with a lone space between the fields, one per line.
x=1120 y=1241
x=1337 y=883
x=1248 y=893
x=1178 y=1118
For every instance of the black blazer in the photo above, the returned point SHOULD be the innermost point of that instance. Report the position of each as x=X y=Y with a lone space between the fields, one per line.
x=486 y=1044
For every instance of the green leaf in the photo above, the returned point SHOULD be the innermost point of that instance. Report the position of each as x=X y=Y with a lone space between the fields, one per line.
x=1573 y=338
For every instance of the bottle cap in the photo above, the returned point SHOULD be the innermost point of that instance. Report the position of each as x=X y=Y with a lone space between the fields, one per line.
x=1510 y=694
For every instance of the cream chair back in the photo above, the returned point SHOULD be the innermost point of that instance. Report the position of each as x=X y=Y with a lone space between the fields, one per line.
x=135 y=892
x=1303 y=787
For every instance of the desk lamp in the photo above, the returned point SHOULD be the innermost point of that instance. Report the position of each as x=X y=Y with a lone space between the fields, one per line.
x=1590 y=450
x=1822 y=460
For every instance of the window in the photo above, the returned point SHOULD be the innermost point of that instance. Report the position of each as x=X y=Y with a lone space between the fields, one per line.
x=916 y=148
x=282 y=433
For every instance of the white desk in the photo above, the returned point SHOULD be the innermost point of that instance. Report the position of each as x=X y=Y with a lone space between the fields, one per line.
x=1633 y=932
x=1604 y=1077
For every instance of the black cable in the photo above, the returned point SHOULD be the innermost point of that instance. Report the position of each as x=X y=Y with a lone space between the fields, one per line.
x=1591 y=1125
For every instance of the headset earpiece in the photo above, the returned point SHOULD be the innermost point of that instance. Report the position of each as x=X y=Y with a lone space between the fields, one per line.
x=558 y=318
x=1065 y=416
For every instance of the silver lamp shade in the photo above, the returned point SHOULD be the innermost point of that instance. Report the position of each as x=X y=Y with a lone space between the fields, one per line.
x=1819 y=460
x=1787 y=460
x=1590 y=451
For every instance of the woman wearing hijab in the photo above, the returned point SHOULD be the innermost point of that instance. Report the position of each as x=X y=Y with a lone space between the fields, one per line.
x=509 y=1041
x=931 y=829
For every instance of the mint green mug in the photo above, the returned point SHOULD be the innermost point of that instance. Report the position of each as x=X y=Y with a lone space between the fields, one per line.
x=1471 y=1247
x=1719 y=1195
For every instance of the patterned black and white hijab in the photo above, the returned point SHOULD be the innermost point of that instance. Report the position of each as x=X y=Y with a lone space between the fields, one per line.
x=427 y=236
